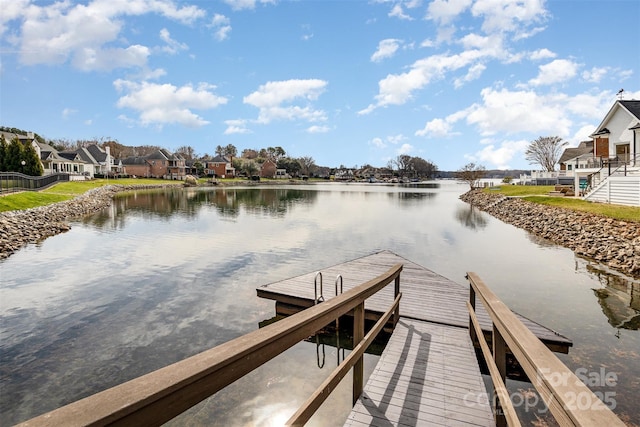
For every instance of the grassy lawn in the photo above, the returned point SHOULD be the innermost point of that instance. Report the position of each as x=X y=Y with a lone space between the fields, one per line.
x=539 y=194
x=64 y=191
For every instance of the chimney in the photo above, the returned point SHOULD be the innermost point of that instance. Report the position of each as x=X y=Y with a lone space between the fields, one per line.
x=30 y=135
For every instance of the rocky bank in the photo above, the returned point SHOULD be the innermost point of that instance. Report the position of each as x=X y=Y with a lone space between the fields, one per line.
x=611 y=242
x=19 y=228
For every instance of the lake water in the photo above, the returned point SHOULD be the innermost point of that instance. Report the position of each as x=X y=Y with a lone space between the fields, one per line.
x=162 y=275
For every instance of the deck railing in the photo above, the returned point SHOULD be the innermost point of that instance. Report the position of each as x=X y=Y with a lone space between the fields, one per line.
x=159 y=396
x=562 y=391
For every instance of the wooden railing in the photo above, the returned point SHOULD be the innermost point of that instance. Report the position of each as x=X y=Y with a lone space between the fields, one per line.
x=569 y=400
x=159 y=396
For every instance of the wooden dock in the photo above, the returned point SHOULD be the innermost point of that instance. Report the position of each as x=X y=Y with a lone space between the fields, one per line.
x=428 y=373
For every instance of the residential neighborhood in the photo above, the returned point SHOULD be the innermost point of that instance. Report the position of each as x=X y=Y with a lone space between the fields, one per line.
x=605 y=168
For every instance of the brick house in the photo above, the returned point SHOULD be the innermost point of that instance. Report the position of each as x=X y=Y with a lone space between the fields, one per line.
x=219 y=167
x=160 y=164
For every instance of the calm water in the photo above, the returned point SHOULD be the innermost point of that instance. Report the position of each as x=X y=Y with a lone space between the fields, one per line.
x=163 y=275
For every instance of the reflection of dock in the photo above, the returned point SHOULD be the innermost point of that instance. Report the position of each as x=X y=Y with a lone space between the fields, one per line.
x=428 y=370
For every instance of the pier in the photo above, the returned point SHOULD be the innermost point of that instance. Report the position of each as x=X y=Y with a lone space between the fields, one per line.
x=428 y=373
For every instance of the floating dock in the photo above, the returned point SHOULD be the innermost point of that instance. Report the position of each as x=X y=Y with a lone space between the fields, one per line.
x=428 y=373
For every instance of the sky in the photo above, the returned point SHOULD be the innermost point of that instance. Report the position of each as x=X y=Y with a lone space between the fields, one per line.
x=347 y=82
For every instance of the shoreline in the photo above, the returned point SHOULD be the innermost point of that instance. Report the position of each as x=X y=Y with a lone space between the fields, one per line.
x=611 y=242
x=29 y=226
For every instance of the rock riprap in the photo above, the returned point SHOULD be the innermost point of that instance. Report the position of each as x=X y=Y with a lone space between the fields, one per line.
x=19 y=228
x=611 y=242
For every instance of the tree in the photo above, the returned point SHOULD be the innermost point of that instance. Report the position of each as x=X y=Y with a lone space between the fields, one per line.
x=471 y=173
x=187 y=152
x=545 y=151
x=250 y=168
x=422 y=167
x=307 y=165
x=4 y=154
x=32 y=166
x=15 y=156
x=227 y=151
x=249 y=153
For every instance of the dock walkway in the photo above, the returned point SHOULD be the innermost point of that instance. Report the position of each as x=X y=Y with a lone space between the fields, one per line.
x=428 y=373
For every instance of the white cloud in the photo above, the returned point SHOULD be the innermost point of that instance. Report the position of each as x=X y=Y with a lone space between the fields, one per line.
x=500 y=156
x=246 y=4
x=404 y=149
x=397 y=89
x=236 y=127
x=519 y=111
x=444 y=11
x=595 y=74
x=398 y=12
x=378 y=143
x=318 y=129
x=160 y=104
x=172 y=46
x=88 y=59
x=221 y=26
x=474 y=73
x=541 y=54
x=582 y=134
x=435 y=128
x=270 y=97
x=557 y=71
x=62 y=31
x=396 y=139
x=67 y=112
x=386 y=49
x=508 y=15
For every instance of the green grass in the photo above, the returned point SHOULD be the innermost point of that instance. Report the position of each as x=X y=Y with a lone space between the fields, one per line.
x=65 y=191
x=29 y=199
x=539 y=194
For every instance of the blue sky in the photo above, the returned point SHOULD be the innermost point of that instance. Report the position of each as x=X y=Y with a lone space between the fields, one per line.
x=345 y=82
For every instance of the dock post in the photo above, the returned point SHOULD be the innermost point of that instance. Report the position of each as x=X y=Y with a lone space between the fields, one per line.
x=396 y=313
x=500 y=358
x=472 y=301
x=358 y=367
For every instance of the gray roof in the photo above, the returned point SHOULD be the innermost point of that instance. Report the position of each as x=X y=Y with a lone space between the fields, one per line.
x=633 y=106
x=585 y=147
x=157 y=155
x=135 y=160
x=97 y=153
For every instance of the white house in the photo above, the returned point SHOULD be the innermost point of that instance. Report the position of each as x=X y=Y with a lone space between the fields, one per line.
x=613 y=167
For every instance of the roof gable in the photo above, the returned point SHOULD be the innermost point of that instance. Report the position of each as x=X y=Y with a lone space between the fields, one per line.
x=630 y=107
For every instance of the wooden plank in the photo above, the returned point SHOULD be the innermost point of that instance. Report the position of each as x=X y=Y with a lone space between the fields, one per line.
x=426 y=295
x=427 y=375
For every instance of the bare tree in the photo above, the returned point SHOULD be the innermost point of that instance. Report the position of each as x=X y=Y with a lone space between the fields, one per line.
x=545 y=151
x=187 y=152
x=471 y=173
x=307 y=165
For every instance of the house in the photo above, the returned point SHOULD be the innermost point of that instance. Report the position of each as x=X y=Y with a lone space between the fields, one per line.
x=56 y=162
x=220 y=167
x=159 y=164
x=612 y=168
x=268 y=169
x=576 y=157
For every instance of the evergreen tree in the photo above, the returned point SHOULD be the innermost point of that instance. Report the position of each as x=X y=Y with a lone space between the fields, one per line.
x=33 y=165
x=4 y=153
x=15 y=156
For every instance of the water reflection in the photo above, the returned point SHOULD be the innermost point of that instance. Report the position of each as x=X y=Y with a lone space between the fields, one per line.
x=471 y=217
x=162 y=275
x=619 y=299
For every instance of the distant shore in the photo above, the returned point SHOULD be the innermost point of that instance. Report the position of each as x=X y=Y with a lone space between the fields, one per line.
x=611 y=242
